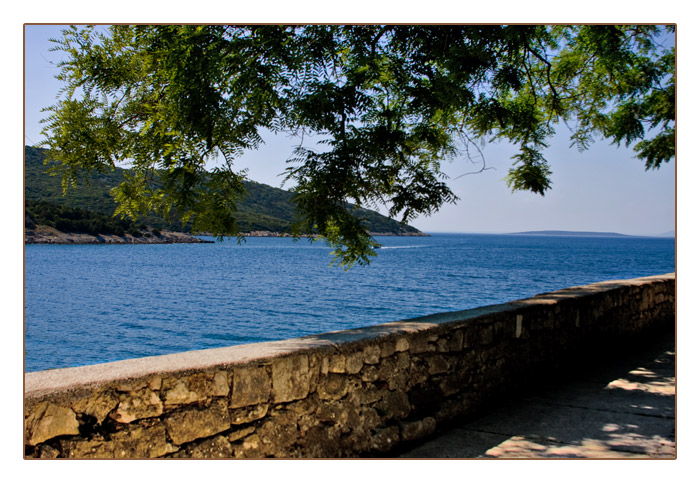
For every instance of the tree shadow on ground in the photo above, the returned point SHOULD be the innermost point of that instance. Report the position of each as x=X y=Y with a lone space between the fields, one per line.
x=617 y=406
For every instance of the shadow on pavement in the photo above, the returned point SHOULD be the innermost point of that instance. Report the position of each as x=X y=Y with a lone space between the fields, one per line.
x=610 y=408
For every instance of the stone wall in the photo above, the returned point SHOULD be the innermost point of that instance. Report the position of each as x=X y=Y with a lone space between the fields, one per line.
x=361 y=392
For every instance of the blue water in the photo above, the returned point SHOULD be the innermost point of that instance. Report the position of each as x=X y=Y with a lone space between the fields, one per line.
x=86 y=304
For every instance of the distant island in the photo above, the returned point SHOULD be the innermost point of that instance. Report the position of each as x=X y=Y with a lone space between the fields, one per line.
x=84 y=214
x=574 y=233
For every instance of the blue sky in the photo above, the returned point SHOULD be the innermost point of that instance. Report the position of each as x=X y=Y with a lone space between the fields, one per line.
x=602 y=189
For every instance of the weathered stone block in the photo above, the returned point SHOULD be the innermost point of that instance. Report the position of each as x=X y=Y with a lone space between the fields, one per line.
x=318 y=442
x=455 y=337
x=48 y=452
x=307 y=421
x=329 y=412
x=155 y=383
x=307 y=405
x=190 y=424
x=387 y=348
x=134 y=441
x=141 y=442
x=314 y=370
x=98 y=404
x=342 y=414
x=332 y=386
x=486 y=334
x=220 y=385
x=502 y=329
x=470 y=337
x=140 y=404
x=403 y=361
x=249 y=414
x=240 y=433
x=278 y=435
x=369 y=373
x=402 y=344
x=370 y=354
x=420 y=343
x=417 y=372
x=290 y=378
x=180 y=395
x=393 y=371
x=455 y=341
x=195 y=388
x=386 y=369
x=48 y=421
x=323 y=366
x=212 y=448
x=394 y=405
x=251 y=385
x=364 y=396
x=415 y=430
x=519 y=325
x=370 y=419
x=250 y=447
x=385 y=439
x=354 y=362
x=94 y=448
x=336 y=363
x=437 y=364
x=453 y=383
x=284 y=416
x=130 y=385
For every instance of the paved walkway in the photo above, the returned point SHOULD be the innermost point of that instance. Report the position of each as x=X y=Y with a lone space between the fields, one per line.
x=623 y=409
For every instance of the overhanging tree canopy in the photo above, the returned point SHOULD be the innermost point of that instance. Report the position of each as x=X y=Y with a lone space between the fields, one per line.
x=391 y=103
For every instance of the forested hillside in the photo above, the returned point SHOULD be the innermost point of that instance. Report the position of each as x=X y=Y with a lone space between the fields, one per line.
x=89 y=205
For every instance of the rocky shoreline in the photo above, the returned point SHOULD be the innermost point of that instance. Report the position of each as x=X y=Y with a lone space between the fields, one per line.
x=50 y=236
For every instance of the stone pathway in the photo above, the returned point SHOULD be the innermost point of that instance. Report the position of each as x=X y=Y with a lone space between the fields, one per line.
x=624 y=409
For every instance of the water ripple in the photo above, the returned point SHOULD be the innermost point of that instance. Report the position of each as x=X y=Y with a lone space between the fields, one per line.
x=90 y=304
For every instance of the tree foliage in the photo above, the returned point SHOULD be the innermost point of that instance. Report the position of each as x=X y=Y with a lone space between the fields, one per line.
x=392 y=104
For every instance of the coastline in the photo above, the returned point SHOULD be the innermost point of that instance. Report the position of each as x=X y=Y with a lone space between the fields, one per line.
x=264 y=233
x=45 y=235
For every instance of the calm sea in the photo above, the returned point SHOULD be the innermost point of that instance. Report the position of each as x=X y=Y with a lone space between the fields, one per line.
x=86 y=304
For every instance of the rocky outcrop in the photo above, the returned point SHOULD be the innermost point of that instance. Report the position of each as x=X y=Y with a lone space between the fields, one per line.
x=41 y=234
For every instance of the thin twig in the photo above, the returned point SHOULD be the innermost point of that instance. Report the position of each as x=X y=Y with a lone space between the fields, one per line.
x=467 y=141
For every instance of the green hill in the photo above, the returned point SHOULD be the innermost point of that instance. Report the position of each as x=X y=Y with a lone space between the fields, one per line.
x=263 y=209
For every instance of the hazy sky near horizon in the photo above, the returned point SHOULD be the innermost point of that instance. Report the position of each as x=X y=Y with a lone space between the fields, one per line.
x=603 y=189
